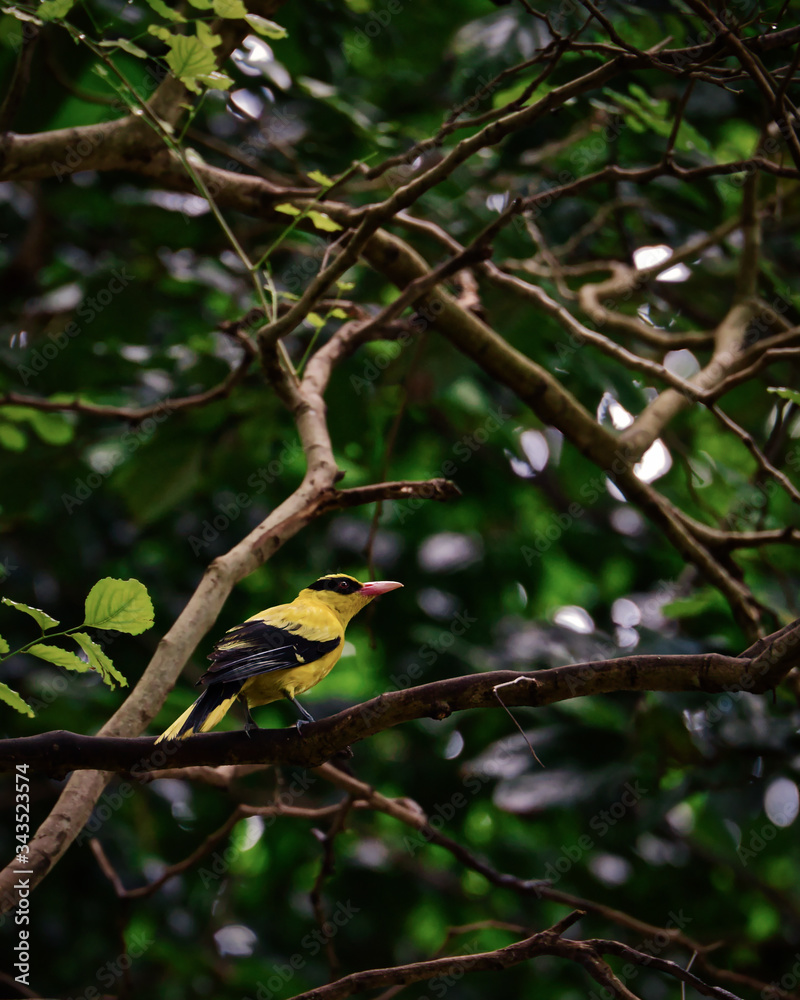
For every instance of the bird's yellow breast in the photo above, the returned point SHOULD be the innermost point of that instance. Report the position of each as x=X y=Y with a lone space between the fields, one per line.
x=316 y=622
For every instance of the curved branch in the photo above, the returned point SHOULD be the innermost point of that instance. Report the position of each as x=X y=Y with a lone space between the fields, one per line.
x=137 y=414
x=58 y=753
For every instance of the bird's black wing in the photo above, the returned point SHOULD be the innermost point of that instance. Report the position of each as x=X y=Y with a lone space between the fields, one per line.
x=257 y=647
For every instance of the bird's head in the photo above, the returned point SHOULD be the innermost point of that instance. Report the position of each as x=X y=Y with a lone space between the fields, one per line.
x=345 y=595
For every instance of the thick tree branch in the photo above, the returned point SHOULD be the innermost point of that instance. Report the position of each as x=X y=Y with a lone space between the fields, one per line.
x=58 y=753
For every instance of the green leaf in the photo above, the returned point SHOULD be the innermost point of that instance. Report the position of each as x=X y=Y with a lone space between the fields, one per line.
x=793 y=395
x=230 y=8
x=10 y=697
x=287 y=209
x=4 y=646
x=338 y=313
x=126 y=46
x=265 y=27
x=52 y=428
x=50 y=10
x=323 y=221
x=61 y=657
x=202 y=4
x=216 y=80
x=161 y=32
x=18 y=414
x=687 y=607
x=190 y=58
x=206 y=35
x=98 y=659
x=320 y=178
x=315 y=320
x=12 y=437
x=43 y=620
x=124 y=605
x=161 y=8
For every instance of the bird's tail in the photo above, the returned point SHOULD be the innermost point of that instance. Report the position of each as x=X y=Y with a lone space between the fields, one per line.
x=205 y=713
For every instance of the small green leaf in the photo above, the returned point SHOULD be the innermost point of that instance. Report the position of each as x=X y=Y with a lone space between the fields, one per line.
x=4 y=646
x=202 y=4
x=50 y=10
x=793 y=395
x=61 y=657
x=206 y=35
x=190 y=58
x=12 y=438
x=269 y=29
x=10 y=697
x=216 y=80
x=161 y=8
x=338 y=313
x=700 y=602
x=52 y=428
x=320 y=178
x=287 y=209
x=98 y=659
x=124 y=605
x=315 y=320
x=161 y=32
x=230 y=8
x=346 y=286
x=43 y=620
x=323 y=221
x=126 y=46
x=17 y=413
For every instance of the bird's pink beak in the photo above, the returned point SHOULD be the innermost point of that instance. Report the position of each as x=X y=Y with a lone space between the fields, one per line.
x=379 y=587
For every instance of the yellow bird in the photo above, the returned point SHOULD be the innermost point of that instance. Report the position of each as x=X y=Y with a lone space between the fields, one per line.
x=278 y=653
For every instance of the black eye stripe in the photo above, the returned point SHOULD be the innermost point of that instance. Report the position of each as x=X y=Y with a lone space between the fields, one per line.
x=341 y=584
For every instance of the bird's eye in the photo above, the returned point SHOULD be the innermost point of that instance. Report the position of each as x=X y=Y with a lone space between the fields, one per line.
x=344 y=586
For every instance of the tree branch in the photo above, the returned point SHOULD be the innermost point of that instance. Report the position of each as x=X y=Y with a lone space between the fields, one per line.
x=58 y=753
